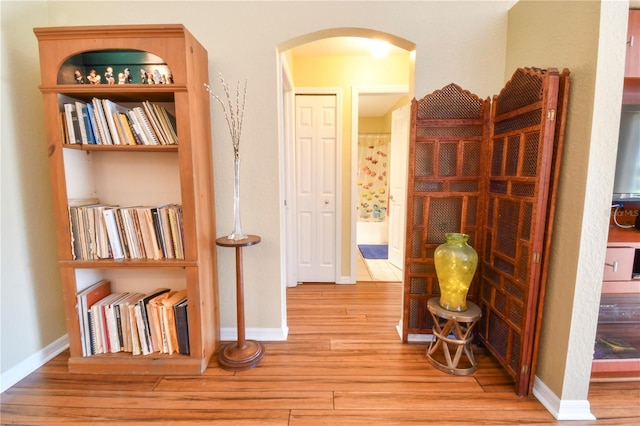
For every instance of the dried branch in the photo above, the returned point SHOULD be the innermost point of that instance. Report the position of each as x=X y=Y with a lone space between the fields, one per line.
x=233 y=115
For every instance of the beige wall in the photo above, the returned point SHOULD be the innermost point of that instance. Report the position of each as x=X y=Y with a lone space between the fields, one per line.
x=373 y=125
x=565 y=34
x=31 y=309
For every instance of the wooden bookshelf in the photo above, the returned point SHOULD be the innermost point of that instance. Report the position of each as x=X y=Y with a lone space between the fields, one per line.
x=130 y=175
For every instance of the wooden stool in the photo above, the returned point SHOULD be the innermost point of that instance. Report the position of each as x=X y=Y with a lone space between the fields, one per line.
x=460 y=324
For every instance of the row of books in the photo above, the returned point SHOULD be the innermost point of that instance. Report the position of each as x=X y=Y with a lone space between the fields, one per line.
x=103 y=231
x=104 y=122
x=132 y=322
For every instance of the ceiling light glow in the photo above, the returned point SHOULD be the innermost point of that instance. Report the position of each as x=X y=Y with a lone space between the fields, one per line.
x=379 y=48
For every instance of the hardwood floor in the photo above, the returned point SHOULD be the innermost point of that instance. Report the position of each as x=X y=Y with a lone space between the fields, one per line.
x=343 y=364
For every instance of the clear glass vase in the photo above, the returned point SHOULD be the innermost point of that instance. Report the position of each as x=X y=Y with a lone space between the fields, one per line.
x=455 y=263
x=237 y=233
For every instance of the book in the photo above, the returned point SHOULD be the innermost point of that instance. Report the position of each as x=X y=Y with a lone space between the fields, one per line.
x=122 y=232
x=176 y=231
x=102 y=248
x=155 y=123
x=74 y=222
x=113 y=233
x=149 y=235
x=126 y=128
x=145 y=349
x=119 y=130
x=168 y=318
x=101 y=121
x=158 y=338
x=136 y=348
x=99 y=324
x=83 y=118
x=133 y=244
x=168 y=122
x=85 y=299
x=114 y=323
x=157 y=226
x=75 y=206
x=136 y=128
x=89 y=228
x=123 y=312
x=109 y=108
x=71 y=116
x=167 y=240
x=92 y=334
x=91 y=114
x=144 y=123
x=64 y=134
x=182 y=326
x=144 y=329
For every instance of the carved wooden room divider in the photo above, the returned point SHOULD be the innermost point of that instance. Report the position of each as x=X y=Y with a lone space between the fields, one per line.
x=487 y=169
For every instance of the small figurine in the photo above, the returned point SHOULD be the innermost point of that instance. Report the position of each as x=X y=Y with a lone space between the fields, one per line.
x=157 y=77
x=121 y=79
x=108 y=75
x=144 y=77
x=127 y=76
x=94 y=78
x=170 y=78
x=78 y=76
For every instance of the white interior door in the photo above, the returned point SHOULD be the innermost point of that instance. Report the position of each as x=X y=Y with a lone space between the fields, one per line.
x=315 y=171
x=398 y=184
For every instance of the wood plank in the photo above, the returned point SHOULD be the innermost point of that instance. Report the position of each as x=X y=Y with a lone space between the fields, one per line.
x=90 y=416
x=371 y=383
x=183 y=400
x=433 y=416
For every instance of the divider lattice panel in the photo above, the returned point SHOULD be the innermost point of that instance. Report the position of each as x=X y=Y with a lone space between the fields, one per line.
x=444 y=190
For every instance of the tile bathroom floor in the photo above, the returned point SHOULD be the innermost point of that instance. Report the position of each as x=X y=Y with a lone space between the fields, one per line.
x=376 y=270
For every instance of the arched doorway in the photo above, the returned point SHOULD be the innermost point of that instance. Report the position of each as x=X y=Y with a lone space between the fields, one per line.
x=289 y=85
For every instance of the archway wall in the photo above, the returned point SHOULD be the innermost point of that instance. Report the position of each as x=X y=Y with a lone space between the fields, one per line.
x=463 y=42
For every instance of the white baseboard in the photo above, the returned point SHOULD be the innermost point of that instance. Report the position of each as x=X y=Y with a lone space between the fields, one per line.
x=23 y=369
x=259 y=334
x=346 y=280
x=419 y=338
x=561 y=410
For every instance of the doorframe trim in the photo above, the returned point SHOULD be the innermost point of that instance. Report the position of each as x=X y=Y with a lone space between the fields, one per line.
x=288 y=205
x=337 y=92
x=355 y=93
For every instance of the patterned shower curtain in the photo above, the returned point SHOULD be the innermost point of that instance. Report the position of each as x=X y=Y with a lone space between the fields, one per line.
x=373 y=167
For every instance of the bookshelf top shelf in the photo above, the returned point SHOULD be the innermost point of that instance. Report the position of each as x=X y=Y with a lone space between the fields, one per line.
x=115 y=67
x=122 y=93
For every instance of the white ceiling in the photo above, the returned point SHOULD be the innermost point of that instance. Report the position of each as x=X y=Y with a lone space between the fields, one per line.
x=377 y=105
x=369 y=105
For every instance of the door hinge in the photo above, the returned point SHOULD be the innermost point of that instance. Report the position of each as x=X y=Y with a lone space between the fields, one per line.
x=536 y=257
x=525 y=370
x=551 y=115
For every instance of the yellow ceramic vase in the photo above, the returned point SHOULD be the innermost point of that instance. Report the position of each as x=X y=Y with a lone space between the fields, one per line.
x=455 y=263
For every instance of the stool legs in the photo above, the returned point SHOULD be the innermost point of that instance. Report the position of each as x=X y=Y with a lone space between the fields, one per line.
x=461 y=343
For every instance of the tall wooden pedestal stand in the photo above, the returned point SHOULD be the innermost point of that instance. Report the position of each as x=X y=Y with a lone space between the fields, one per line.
x=243 y=354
